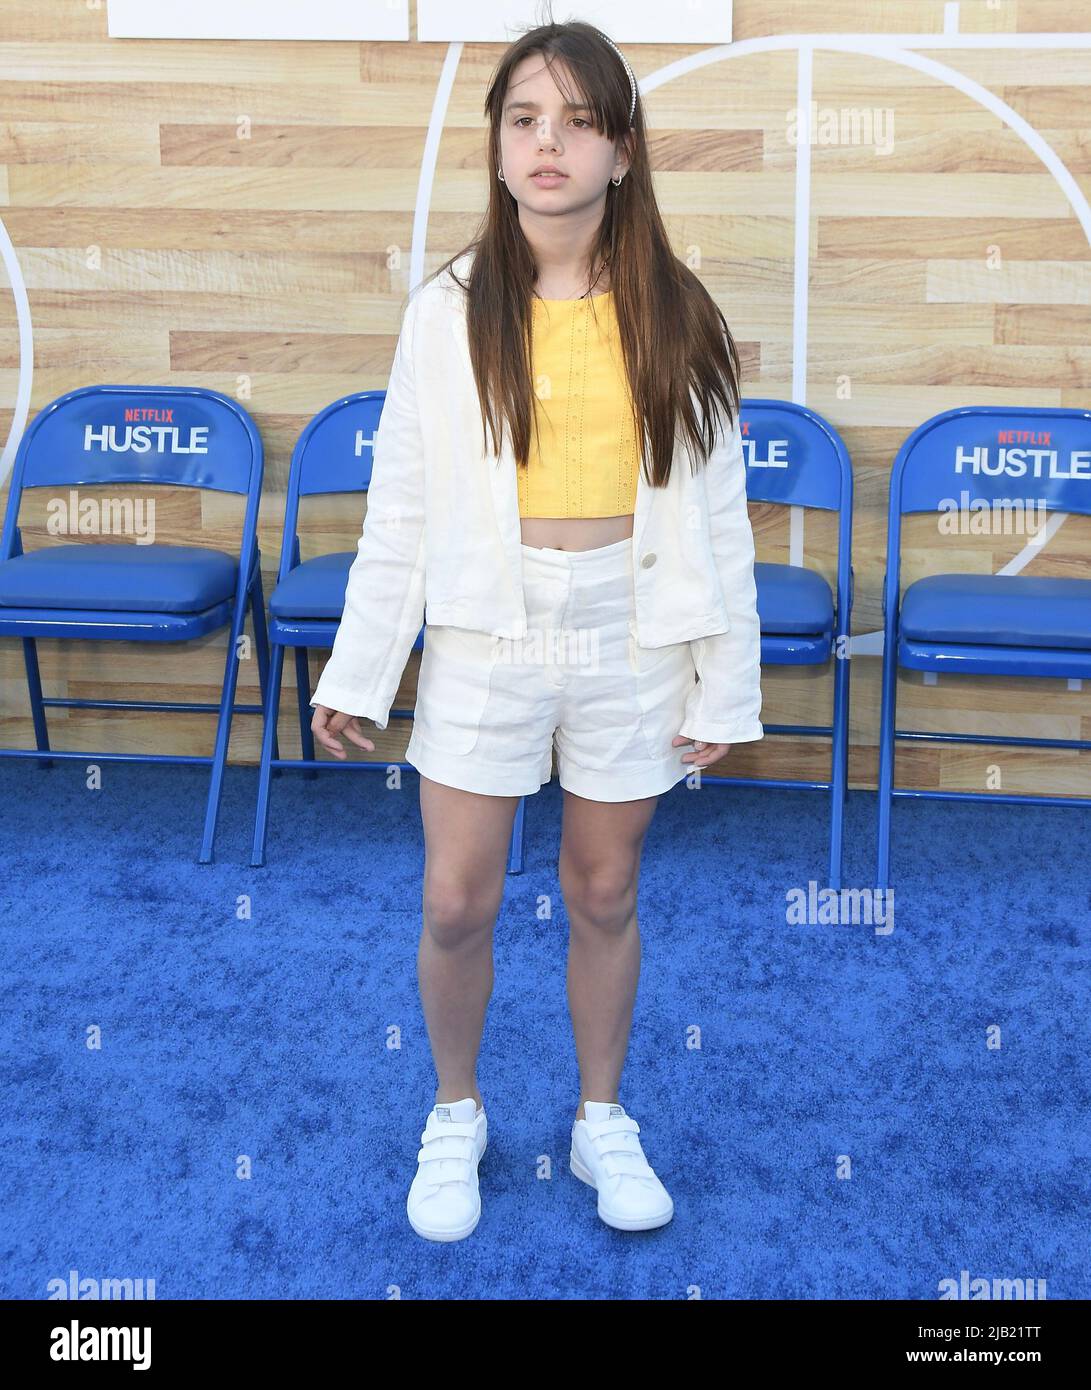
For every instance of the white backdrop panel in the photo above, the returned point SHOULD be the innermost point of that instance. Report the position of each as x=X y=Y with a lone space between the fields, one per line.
x=354 y=20
x=625 y=21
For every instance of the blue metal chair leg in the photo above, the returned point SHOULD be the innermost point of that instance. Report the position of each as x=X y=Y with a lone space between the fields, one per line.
x=223 y=733
x=839 y=768
x=303 y=694
x=37 y=709
x=261 y=642
x=886 y=767
x=517 y=847
x=272 y=705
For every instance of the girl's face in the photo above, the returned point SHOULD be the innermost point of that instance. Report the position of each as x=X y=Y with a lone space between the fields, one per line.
x=540 y=128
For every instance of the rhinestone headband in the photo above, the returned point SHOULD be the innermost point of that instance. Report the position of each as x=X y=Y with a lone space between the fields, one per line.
x=628 y=69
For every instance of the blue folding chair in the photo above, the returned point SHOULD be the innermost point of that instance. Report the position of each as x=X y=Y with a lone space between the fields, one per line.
x=183 y=436
x=333 y=454
x=1003 y=459
x=796 y=458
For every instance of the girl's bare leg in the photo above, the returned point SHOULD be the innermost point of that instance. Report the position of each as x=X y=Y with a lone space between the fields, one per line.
x=466 y=839
x=599 y=868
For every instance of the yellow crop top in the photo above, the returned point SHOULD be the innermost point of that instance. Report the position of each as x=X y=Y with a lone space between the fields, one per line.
x=584 y=460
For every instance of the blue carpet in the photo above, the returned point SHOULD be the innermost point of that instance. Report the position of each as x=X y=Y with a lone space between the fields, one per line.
x=844 y=1129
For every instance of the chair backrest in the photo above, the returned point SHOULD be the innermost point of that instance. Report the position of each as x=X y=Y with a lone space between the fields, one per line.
x=334 y=453
x=187 y=436
x=796 y=458
x=793 y=456
x=996 y=453
x=1008 y=460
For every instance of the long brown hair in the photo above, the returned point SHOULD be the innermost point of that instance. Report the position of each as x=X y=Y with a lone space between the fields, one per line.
x=674 y=337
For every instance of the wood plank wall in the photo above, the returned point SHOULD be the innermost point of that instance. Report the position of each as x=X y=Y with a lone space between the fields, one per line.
x=224 y=214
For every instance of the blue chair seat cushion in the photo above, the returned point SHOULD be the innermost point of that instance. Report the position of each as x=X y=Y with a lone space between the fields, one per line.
x=119 y=577
x=792 y=600
x=315 y=588
x=1003 y=610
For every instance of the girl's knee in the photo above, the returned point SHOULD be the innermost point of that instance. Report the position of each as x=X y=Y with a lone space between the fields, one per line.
x=602 y=895
x=455 y=911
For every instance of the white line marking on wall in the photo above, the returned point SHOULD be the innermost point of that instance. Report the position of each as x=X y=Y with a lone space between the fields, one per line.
x=1036 y=545
x=428 y=162
x=802 y=266
x=26 y=355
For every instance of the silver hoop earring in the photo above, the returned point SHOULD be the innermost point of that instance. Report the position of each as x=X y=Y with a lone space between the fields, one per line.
x=501 y=173
x=617 y=182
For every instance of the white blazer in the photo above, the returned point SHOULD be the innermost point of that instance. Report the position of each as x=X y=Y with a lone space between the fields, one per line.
x=441 y=541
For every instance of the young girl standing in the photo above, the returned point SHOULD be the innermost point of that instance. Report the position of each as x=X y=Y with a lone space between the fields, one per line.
x=629 y=645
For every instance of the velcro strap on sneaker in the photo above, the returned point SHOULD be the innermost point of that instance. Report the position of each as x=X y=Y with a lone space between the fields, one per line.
x=429 y=1155
x=622 y=1125
x=465 y=1130
x=616 y=1143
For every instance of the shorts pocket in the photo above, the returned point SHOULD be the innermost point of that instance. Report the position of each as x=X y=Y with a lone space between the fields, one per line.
x=453 y=686
x=664 y=678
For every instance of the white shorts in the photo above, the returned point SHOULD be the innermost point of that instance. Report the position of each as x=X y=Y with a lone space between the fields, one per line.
x=490 y=708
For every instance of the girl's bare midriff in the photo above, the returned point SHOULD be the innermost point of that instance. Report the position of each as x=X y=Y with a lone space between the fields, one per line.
x=575 y=533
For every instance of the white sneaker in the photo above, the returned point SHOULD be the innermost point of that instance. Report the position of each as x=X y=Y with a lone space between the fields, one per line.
x=444 y=1202
x=606 y=1154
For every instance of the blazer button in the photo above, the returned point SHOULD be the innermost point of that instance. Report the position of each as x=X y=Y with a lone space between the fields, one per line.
x=648 y=560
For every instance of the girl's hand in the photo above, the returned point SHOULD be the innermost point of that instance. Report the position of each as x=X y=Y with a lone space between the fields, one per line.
x=704 y=754
x=328 y=723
